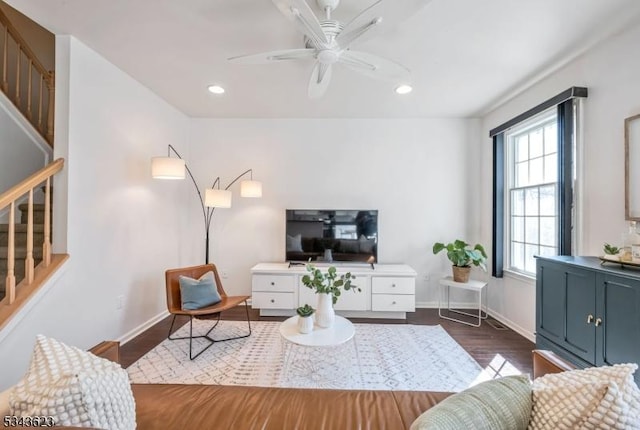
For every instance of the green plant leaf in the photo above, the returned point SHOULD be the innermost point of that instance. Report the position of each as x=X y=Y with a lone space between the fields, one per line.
x=437 y=247
x=460 y=244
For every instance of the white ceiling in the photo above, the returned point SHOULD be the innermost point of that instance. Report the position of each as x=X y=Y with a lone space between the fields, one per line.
x=465 y=55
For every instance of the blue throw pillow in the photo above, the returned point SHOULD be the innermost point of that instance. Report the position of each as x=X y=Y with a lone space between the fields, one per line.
x=200 y=293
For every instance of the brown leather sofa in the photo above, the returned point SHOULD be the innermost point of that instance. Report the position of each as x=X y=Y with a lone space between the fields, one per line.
x=168 y=406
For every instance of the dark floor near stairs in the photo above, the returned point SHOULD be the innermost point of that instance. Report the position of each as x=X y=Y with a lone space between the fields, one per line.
x=490 y=347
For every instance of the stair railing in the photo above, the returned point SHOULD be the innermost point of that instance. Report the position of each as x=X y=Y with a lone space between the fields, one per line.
x=25 y=65
x=9 y=198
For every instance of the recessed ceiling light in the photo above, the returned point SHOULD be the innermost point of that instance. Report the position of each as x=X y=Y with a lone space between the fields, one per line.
x=404 y=89
x=216 y=89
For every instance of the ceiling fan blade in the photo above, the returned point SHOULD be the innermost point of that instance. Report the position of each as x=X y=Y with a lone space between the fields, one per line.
x=373 y=65
x=299 y=12
x=379 y=17
x=271 y=56
x=320 y=78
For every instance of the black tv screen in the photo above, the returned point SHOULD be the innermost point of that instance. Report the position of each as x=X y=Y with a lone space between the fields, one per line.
x=332 y=235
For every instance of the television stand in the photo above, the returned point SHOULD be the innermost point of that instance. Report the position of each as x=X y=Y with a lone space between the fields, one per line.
x=388 y=290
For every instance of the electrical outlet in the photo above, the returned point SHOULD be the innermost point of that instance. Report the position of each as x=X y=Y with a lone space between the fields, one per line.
x=120 y=302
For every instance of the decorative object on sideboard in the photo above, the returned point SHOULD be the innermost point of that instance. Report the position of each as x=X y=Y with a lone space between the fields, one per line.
x=462 y=257
x=611 y=252
x=328 y=286
x=632 y=167
x=305 y=318
x=630 y=251
x=174 y=168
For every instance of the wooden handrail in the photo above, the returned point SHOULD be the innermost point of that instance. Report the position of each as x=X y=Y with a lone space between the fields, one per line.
x=32 y=181
x=23 y=45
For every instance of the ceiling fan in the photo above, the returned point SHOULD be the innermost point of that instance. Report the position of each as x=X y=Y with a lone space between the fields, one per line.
x=328 y=41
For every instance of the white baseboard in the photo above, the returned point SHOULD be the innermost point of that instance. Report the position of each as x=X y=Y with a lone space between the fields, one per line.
x=456 y=305
x=504 y=320
x=513 y=326
x=142 y=327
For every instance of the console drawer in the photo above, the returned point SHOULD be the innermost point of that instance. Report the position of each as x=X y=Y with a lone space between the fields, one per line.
x=268 y=300
x=273 y=283
x=393 y=302
x=392 y=285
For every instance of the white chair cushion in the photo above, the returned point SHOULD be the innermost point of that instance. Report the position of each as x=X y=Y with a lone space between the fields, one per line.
x=75 y=387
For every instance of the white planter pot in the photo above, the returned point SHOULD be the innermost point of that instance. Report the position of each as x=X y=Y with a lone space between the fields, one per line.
x=305 y=324
x=324 y=312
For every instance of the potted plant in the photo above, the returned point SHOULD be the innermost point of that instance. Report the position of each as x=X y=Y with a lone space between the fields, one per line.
x=328 y=286
x=611 y=252
x=305 y=320
x=462 y=257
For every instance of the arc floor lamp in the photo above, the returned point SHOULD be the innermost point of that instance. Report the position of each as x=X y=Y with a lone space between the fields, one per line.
x=174 y=168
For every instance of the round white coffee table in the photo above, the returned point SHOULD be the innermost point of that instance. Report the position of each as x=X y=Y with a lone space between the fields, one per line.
x=318 y=359
x=340 y=332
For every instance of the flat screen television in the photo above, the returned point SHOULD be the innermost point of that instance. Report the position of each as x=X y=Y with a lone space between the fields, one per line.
x=332 y=235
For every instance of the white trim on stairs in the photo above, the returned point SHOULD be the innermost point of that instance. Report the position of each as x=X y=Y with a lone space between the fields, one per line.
x=7 y=105
x=34 y=300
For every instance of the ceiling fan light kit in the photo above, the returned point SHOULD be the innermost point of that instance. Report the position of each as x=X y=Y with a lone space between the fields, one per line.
x=328 y=41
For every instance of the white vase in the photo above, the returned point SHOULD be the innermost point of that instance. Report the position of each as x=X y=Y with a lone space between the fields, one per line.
x=305 y=324
x=324 y=312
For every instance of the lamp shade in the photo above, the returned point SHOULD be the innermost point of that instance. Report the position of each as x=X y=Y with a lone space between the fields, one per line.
x=167 y=168
x=251 y=189
x=214 y=198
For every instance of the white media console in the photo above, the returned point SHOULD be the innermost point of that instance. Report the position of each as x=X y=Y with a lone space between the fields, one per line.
x=388 y=290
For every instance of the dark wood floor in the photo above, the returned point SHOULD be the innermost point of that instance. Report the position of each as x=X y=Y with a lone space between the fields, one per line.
x=485 y=343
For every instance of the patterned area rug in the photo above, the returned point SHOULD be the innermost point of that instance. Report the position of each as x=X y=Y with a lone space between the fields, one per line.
x=379 y=357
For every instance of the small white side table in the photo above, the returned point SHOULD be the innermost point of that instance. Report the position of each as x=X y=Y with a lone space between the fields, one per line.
x=472 y=285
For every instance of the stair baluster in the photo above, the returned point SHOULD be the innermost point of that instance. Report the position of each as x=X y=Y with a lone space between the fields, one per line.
x=28 y=262
x=25 y=78
x=5 y=61
x=46 y=245
x=10 y=291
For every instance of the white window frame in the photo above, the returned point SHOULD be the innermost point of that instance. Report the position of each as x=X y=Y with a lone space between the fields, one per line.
x=539 y=120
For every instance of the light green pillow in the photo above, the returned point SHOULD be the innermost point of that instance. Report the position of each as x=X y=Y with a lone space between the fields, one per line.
x=498 y=404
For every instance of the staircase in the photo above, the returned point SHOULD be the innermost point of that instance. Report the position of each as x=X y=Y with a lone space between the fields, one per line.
x=21 y=243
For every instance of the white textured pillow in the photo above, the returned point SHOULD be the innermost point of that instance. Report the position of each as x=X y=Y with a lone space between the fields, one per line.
x=4 y=402
x=595 y=398
x=75 y=387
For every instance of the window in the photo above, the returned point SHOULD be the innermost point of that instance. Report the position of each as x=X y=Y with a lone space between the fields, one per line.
x=532 y=192
x=533 y=184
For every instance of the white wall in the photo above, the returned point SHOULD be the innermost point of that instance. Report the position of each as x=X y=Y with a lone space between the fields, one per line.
x=21 y=152
x=611 y=72
x=123 y=228
x=403 y=168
